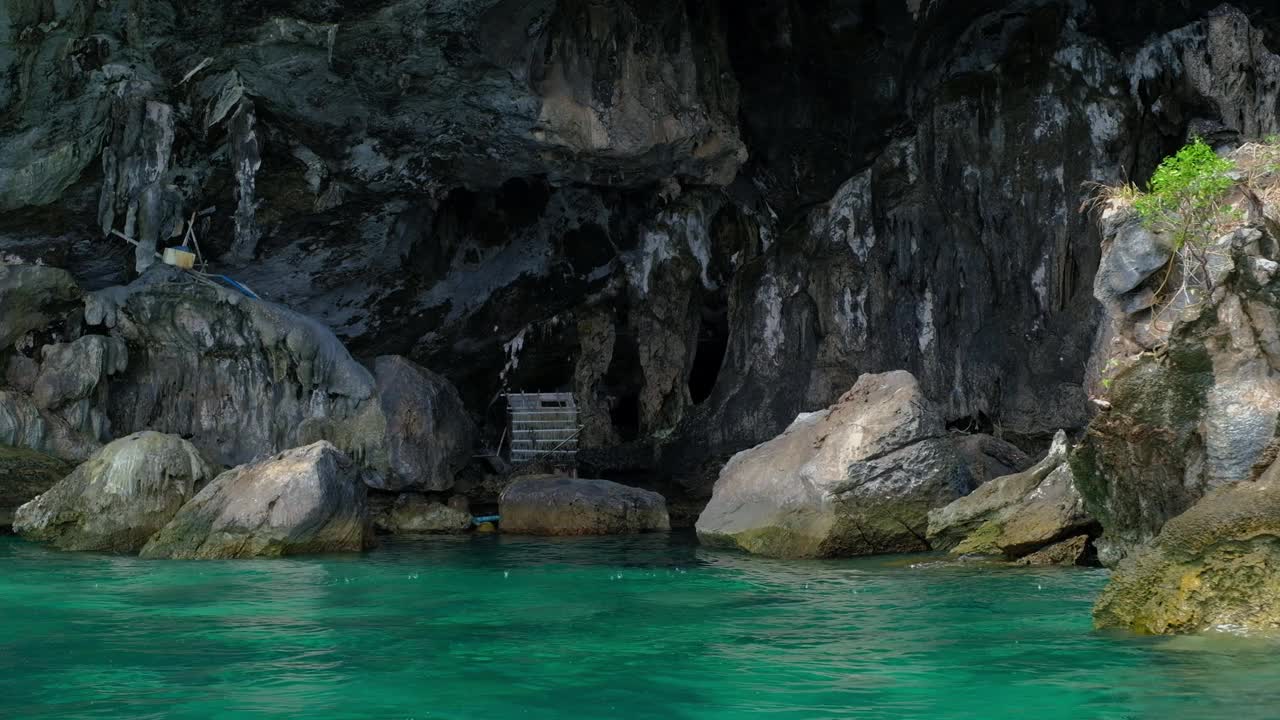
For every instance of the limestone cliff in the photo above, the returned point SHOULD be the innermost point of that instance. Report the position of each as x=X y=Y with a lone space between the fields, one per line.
x=704 y=218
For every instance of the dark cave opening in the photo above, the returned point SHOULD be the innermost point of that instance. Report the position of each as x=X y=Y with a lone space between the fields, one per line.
x=713 y=343
x=622 y=385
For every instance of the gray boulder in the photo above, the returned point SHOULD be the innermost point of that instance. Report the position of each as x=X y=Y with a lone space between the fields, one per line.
x=414 y=514
x=306 y=500
x=573 y=506
x=856 y=479
x=429 y=436
x=1016 y=514
x=1133 y=254
x=118 y=498
x=24 y=474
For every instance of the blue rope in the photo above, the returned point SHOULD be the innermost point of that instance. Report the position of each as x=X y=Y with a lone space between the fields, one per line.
x=246 y=291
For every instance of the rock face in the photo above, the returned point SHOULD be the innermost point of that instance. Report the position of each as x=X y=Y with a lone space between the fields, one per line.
x=989 y=458
x=413 y=514
x=573 y=506
x=429 y=436
x=24 y=425
x=1016 y=514
x=857 y=478
x=119 y=497
x=499 y=172
x=1193 y=386
x=1215 y=566
x=24 y=474
x=243 y=378
x=306 y=500
x=32 y=296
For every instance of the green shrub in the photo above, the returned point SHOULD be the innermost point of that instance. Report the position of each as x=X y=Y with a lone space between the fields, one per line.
x=1185 y=195
x=1185 y=202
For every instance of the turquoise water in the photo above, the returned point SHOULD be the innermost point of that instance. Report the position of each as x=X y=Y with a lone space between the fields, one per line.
x=648 y=627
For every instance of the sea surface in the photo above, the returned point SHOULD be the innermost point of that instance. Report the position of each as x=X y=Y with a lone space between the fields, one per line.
x=639 y=627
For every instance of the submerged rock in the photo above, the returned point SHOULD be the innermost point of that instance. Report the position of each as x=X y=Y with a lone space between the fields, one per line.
x=857 y=478
x=305 y=500
x=412 y=513
x=429 y=436
x=119 y=497
x=1016 y=514
x=574 y=506
x=1073 y=551
x=24 y=474
x=1216 y=565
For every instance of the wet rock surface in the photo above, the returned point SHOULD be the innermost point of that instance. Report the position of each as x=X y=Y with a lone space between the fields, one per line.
x=119 y=497
x=552 y=505
x=1215 y=566
x=858 y=478
x=305 y=500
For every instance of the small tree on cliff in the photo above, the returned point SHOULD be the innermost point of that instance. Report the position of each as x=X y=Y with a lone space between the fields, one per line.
x=1185 y=201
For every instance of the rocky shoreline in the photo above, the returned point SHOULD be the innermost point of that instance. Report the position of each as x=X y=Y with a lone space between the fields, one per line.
x=807 y=311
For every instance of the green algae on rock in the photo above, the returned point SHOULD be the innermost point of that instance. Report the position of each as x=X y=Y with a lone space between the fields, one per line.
x=1215 y=566
x=119 y=497
x=1016 y=514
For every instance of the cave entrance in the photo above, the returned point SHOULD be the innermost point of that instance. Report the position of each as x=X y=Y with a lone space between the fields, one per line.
x=622 y=383
x=713 y=344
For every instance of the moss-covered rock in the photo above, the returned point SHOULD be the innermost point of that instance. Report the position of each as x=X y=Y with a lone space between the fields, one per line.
x=119 y=497
x=1016 y=514
x=1216 y=565
x=24 y=474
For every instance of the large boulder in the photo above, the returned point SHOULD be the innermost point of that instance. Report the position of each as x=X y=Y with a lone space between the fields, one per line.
x=118 y=498
x=31 y=297
x=305 y=500
x=413 y=514
x=1016 y=514
x=429 y=436
x=857 y=478
x=574 y=506
x=24 y=474
x=1215 y=566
